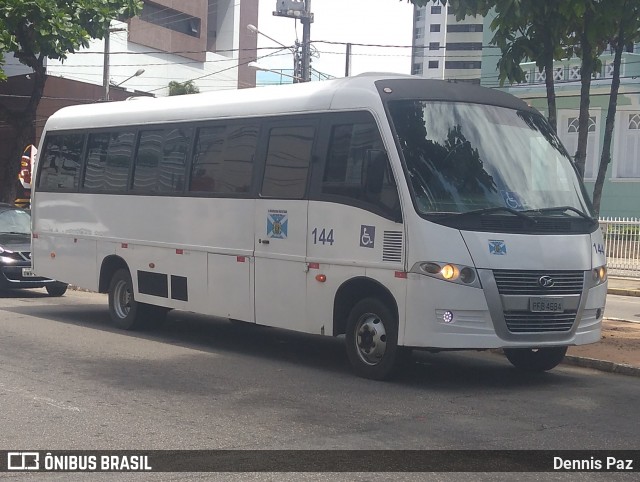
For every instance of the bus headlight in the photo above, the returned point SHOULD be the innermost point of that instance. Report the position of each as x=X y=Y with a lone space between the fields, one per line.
x=455 y=273
x=599 y=275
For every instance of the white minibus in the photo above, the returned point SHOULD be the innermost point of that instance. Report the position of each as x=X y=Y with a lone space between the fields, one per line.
x=401 y=212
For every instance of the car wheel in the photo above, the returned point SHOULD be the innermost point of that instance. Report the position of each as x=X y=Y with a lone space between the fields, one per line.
x=372 y=340
x=56 y=289
x=535 y=359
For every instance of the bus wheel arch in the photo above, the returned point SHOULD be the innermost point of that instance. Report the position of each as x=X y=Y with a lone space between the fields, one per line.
x=110 y=265
x=354 y=290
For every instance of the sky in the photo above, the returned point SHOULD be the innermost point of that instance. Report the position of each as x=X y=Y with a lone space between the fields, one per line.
x=378 y=22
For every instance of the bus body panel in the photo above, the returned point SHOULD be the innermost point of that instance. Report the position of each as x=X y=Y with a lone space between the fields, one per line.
x=283 y=262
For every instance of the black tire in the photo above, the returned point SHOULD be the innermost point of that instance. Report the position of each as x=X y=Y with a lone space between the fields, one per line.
x=126 y=313
x=372 y=340
x=56 y=289
x=535 y=359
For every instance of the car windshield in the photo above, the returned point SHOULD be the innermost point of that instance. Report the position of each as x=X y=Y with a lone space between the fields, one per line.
x=15 y=221
x=470 y=157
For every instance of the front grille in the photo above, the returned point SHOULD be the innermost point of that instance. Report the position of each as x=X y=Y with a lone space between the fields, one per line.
x=525 y=322
x=527 y=282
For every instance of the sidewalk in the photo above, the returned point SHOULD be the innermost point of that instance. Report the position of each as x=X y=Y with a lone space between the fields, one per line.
x=619 y=349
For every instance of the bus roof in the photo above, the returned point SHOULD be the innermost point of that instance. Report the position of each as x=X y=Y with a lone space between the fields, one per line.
x=358 y=92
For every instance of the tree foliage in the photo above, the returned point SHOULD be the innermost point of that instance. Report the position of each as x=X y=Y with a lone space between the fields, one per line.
x=34 y=30
x=181 y=88
x=544 y=31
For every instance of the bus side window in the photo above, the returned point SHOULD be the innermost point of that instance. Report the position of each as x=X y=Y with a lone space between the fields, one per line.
x=108 y=160
x=357 y=168
x=223 y=159
x=288 y=160
x=161 y=160
x=60 y=162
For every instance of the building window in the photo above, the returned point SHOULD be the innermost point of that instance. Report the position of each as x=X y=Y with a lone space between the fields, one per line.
x=435 y=27
x=171 y=19
x=419 y=14
x=464 y=28
x=419 y=32
x=627 y=165
x=569 y=136
x=436 y=10
x=464 y=46
x=433 y=64
x=462 y=64
x=416 y=69
x=434 y=45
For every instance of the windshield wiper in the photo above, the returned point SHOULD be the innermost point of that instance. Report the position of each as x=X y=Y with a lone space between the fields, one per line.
x=498 y=209
x=561 y=209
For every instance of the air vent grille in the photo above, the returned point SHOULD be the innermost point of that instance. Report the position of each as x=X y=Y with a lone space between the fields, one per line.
x=392 y=246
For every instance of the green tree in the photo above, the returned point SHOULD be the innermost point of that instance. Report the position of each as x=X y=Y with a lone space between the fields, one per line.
x=181 y=88
x=544 y=31
x=34 y=30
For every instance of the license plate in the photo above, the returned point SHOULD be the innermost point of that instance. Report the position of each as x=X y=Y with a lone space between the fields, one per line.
x=28 y=273
x=542 y=305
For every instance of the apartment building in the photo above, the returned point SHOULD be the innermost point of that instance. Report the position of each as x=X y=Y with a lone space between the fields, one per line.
x=171 y=40
x=444 y=48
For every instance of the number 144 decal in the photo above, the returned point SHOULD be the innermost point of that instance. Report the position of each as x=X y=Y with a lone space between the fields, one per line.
x=325 y=236
x=598 y=248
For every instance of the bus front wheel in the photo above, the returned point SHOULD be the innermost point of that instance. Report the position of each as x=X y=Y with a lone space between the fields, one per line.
x=125 y=311
x=535 y=359
x=372 y=339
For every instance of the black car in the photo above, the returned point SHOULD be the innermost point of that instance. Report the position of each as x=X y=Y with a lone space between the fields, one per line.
x=15 y=253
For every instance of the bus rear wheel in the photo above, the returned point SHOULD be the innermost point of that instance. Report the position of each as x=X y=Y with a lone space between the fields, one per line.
x=372 y=340
x=125 y=311
x=536 y=359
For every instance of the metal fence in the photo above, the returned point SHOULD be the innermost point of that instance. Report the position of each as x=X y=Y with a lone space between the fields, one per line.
x=622 y=245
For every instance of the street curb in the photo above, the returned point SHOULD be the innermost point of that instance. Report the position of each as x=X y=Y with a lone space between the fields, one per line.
x=623 y=292
x=602 y=365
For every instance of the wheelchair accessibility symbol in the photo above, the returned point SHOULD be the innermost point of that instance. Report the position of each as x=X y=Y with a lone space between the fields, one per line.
x=367 y=236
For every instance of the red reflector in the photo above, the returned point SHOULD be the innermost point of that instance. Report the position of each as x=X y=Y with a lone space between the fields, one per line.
x=401 y=274
x=314 y=265
x=240 y=259
x=179 y=251
x=35 y=235
x=321 y=277
x=124 y=245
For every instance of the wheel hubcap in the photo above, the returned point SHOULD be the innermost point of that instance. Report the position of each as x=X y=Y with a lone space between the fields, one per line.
x=122 y=295
x=371 y=339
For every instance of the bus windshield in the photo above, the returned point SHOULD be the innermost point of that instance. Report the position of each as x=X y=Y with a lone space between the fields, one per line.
x=471 y=157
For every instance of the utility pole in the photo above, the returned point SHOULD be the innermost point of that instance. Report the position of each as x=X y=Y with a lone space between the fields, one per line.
x=347 y=65
x=105 y=66
x=299 y=9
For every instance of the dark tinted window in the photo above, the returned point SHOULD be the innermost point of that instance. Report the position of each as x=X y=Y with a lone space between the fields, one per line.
x=161 y=160
x=288 y=159
x=434 y=27
x=108 y=161
x=223 y=159
x=60 y=162
x=347 y=173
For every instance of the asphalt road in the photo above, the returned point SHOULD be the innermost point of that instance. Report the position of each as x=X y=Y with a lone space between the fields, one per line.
x=68 y=380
